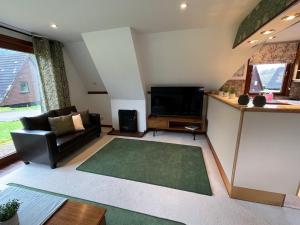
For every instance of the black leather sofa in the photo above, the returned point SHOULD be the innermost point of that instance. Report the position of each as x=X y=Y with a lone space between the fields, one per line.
x=37 y=143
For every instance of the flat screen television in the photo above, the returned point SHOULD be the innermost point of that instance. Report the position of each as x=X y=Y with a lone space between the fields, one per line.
x=177 y=101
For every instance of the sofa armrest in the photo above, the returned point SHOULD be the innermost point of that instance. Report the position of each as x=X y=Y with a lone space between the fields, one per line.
x=36 y=146
x=95 y=119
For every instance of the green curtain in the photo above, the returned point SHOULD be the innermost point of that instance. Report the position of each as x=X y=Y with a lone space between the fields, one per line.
x=55 y=89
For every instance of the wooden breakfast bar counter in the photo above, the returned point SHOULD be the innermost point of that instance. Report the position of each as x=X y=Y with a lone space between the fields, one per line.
x=257 y=163
x=250 y=108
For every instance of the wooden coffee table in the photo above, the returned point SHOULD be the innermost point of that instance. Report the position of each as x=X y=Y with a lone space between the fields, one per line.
x=76 y=213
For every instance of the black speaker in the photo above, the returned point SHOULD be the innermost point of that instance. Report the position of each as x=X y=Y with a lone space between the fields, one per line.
x=259 y=101
x=244 y=100
x=128 y=120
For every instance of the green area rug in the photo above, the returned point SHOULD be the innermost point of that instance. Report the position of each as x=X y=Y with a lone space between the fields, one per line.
x=176 y=166
x=114 y=215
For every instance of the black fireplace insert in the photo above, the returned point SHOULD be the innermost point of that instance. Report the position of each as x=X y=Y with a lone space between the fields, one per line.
x=128 y=120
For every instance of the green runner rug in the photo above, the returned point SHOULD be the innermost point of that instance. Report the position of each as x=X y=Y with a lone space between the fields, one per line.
x=176 y=166
x=114 y=215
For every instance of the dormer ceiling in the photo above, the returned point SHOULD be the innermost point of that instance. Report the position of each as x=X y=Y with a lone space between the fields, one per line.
x=267 y=22
x=290 y=34
x=74 y=17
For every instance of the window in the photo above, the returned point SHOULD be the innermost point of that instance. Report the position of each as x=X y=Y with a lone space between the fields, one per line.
x=267 y=78
x=19 y=93
x=24 y=87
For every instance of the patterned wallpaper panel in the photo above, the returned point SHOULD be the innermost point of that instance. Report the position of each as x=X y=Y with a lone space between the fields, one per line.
x=240 y=73
x=295 y=91
x=238 y=85
x=276 y=53
x=264 y=12
x=237 y=81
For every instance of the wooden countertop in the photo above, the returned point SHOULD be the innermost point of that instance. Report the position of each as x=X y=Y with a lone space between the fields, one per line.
x=73 y=212
x=251 y=108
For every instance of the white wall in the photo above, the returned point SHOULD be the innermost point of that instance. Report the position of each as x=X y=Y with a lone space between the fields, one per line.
x=80 y=98
x=191 y=57
x=78 y=93
x=201 y=56
x=83 y=63
x=269 y=156
x=101 y=104
x=139 y=105
x=138 y=52
x=114 y=56
x=222 y=130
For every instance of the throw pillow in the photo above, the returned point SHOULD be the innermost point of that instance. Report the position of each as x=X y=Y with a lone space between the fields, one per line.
x=62 y=125
x=85 y=117
x=39 y=122
x=77 y=122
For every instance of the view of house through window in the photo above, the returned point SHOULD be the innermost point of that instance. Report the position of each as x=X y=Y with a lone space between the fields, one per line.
x=19 y=93
x=267 y=78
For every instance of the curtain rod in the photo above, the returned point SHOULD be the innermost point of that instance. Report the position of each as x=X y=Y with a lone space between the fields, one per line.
x=7 y=27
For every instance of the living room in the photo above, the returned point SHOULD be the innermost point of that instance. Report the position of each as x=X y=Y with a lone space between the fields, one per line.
x=149 y=112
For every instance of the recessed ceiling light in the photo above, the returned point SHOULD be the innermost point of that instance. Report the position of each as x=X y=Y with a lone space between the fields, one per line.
x=272 y=37
x=252 y=42
x=53 y=25
x=266 y=32
x=183 y=5
x=290 y=17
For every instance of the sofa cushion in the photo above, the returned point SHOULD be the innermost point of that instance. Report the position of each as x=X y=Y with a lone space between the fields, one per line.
x=77 y=121
x=67 y=139
x=62 y=125
x=85 y=116
x=65 y=111
x=91 y=129
x=38 y=122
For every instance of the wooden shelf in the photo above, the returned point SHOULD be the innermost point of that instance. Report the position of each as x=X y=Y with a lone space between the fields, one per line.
x=175 y=123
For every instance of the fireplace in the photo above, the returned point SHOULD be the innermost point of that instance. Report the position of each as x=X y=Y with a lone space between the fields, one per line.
x=128 y=120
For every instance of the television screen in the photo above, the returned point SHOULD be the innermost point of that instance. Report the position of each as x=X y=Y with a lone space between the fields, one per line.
x=177 y=101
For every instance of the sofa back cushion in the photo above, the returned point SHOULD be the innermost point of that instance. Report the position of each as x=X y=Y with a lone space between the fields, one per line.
x=65 y=111
x=38 y=122
x=77 y=121
x=62 y=125
x=85 y=117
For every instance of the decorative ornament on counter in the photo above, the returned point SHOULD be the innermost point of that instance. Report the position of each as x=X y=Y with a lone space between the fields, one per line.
x=244 y=99
x=225 y=91
x=232 y=93
x=259 y=101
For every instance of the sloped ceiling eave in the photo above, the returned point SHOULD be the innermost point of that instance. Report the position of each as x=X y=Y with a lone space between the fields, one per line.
x=264 y=12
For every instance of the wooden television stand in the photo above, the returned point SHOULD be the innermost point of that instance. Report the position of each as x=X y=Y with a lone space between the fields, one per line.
x=176 y=123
